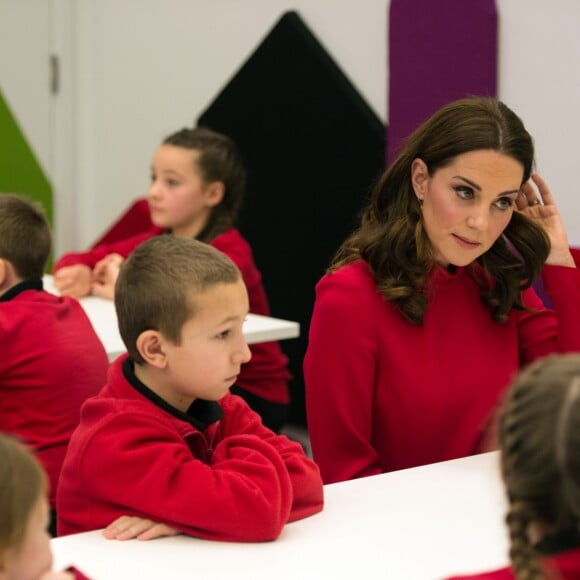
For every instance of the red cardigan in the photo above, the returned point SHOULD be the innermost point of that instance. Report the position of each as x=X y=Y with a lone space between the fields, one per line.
x=51 y=361
x=214 y=473
x=566 y=563
x=266 y=375
x=383 y=394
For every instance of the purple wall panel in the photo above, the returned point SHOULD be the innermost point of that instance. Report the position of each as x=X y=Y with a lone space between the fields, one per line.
x=439 y=51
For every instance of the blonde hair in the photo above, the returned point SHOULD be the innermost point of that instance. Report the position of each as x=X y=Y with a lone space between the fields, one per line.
x=540 y=450
x=22 y=483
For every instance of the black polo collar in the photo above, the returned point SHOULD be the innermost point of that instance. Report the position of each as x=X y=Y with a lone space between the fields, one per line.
x=32 y=284
x=201 y=413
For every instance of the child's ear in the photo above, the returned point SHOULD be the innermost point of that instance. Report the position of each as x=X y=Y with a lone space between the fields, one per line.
x=7 y=276
x=214 y=193
x=150 y=347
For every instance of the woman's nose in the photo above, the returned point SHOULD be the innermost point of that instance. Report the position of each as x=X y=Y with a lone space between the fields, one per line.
x=478 y=219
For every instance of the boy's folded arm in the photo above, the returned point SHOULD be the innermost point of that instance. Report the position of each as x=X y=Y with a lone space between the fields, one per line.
x=243 y=494
x=308 y=496
x=307 y=487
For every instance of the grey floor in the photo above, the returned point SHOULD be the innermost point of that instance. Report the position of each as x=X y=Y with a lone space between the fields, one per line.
x=300 y=434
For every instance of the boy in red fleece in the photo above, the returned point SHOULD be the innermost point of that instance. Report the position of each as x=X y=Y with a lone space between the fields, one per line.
x=165 y=439
x=52 y=360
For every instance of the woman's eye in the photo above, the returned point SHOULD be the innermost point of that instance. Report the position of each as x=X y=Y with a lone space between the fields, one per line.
x=172 y=182
x=223 y=335
x=464 y=192
x=504 y=203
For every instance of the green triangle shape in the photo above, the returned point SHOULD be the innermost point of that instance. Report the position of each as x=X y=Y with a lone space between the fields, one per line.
x=20 y=171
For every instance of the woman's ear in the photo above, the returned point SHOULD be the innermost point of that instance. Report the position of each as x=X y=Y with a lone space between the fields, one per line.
x=420 y=178
x=150 y=347
x=214 y=193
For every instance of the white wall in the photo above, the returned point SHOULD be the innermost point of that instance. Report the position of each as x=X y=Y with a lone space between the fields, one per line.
x=151 y=66
x=539 y=78
x=143 y=68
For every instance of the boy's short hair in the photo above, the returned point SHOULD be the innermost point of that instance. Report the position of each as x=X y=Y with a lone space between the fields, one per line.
x=156 y=286
x=25 y=237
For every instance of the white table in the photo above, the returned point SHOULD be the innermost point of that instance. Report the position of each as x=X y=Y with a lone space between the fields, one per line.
x=418 y=524
x=101 y=313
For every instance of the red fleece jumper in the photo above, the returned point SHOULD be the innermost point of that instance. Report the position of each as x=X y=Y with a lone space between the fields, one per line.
x=215 y=472
x=51 y=361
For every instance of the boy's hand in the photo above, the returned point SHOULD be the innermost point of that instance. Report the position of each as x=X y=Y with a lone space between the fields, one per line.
x=105 y=274
x=129 y=527
x=74 y=280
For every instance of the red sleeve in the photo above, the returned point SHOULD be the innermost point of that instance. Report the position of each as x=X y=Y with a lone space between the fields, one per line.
x=546 y=331
x=307 y=491
x=233 y=245
x=90 y=258
x=339 y=369
x=242 y=492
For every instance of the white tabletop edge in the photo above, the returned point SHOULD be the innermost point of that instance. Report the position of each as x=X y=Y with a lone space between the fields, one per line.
x=101 y=312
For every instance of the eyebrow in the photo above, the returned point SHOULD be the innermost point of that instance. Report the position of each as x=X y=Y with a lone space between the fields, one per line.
x=232 y=319
x=478 y=187
x=152 y=169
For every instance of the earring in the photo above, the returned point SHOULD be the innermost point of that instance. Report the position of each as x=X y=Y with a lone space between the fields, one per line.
x=420 y=200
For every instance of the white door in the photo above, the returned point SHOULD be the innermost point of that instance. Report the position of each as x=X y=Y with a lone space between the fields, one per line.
x=35 y=40
x=25 y=70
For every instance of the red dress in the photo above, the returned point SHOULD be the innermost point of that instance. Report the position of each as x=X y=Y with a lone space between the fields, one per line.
x=383 y=394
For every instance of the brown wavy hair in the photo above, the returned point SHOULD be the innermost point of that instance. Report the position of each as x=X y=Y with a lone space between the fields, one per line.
x=391 y=237
x=540 y=453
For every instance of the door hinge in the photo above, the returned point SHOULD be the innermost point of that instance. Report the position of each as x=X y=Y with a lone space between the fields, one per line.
x=54 y=74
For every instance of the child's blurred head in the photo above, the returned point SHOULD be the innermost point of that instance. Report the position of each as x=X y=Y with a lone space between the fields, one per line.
x=25 y=238
x=540 y=448
x=24 y=541
x=162 y=286
x=198 y=182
